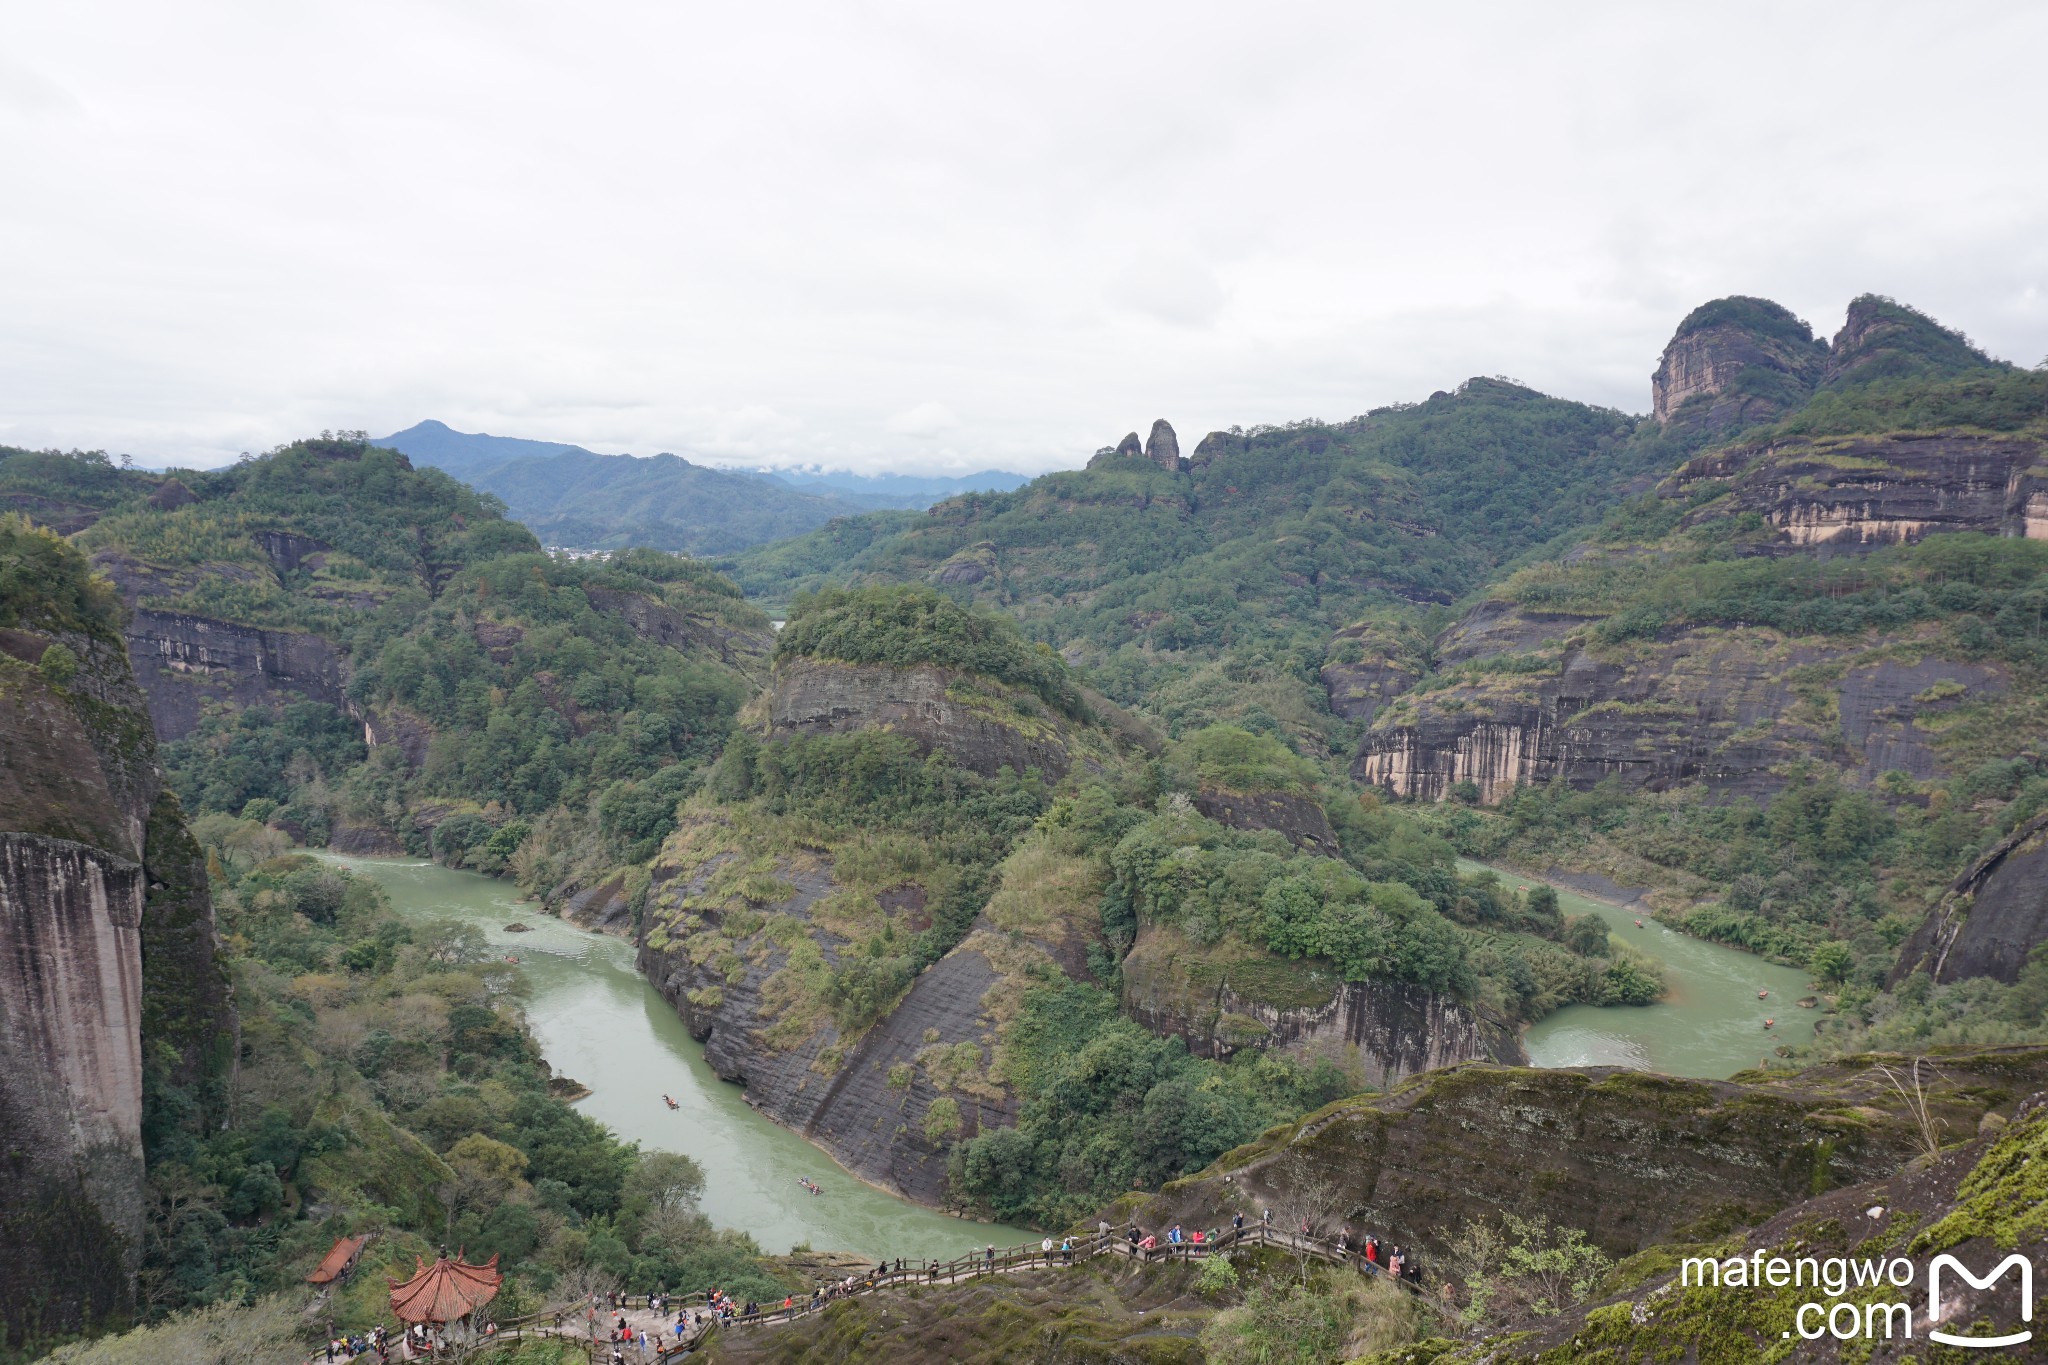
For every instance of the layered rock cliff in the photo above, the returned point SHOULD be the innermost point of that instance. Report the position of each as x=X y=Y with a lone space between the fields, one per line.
x=1546 y=699
x=982 y=724
x=1633 y=1159
x=113 y=974
x=1853 y=493
x=1973 y=1202
x=1230 y=998
x=1991 y=918
x=1600 y=667
x=748 y=947
x=764 y=937
x=1734 y=362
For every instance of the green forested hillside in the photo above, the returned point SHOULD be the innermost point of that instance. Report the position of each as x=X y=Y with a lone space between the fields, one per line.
x=824 y=883
x=1802 y=685
x=575 y=497
x=472 y=690
x=1150 y=578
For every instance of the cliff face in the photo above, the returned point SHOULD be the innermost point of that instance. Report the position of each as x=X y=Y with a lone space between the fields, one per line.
x=1991 y=919
x=1298 y=817
x=1881 y=338
x=1725 y=708
x=186 y=663
x=1851 y=493
x=1734 y=362
x=745 y=948
x=1971 y=1202
x=678 y=630
x=1634 y=1159
x=1224 y=1000
x=112 y=952
x=983 y=725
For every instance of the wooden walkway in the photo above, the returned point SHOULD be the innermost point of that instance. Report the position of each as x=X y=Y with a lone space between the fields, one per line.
x=573 y=1322
x=1029 y=1256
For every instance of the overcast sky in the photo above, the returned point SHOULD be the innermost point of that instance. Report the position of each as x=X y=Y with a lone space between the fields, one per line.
x=953 y=236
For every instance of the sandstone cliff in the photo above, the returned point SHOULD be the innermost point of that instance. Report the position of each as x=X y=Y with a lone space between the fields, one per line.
x=1991 y=919
x=1225 y=999
x=1974 y=1201
x=984 y=725
x=1852 y=493
x=748 y=947
x=1734 y=362
x=1633 y=1159
x=1545 y=699
x=113 y=970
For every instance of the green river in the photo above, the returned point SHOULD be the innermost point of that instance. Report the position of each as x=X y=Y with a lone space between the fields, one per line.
x=599 y=1021
x=1710 y=1022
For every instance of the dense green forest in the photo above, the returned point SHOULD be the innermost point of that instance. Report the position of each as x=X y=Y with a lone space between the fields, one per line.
x=1836 y=868
x=389 y=1067
x=1213 y=593
x=1171 y=636
x=1114 y=848
x=517 y=692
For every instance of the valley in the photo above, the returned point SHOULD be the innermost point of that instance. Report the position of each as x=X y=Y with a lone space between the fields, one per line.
x=1128 y=845
x=597 y=1021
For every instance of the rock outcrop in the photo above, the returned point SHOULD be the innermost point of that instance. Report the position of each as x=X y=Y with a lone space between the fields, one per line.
x=1726 y=708
x=112 y=968
x=1972 y=1202
x=1734 y=362
x=1633 y=1159
x=1854 y=493
x=982 y=724
x=1991 y=919
x=1298 y=817
x=1162 y=447
x=1216 y=445
x=186 y=663
x=1225 y=1000
x=1882 y=339
x=1362 y=677
x=679 y=630
x=745 y=945
x=837 y=1091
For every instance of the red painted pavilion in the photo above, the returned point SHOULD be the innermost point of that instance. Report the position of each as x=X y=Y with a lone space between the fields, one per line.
x=339 y=1263
x=446 y=1291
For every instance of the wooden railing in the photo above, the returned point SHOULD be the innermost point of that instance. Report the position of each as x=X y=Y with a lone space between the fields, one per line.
x=1029 y=1256
x=572 y=1321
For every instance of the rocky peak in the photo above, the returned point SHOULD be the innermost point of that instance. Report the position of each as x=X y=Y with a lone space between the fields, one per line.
x=1163 y=447
x=1882 y=338
x=1734 y=362
x=170 y=495
x=1216 y=445
x=1130 y=445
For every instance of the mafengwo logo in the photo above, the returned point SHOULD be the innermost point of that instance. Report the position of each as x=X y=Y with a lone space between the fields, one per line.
x=1868 y=1315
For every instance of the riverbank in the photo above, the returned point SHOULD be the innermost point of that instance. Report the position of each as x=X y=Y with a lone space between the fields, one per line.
x=598 y=1021
x=1711 y=1022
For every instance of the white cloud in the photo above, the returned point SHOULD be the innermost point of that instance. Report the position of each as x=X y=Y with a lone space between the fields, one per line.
x=753 y=233
x=1168 y=286
x=924 y=420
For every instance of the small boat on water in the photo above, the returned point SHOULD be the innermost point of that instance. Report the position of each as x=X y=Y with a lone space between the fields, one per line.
x=1769 y=1022
x=1763 y=995
x=670 y=1103
x=1639 y=924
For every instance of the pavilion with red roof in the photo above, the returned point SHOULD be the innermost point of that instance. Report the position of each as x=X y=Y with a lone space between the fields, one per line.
x=445 y=1292
x=339 y=1263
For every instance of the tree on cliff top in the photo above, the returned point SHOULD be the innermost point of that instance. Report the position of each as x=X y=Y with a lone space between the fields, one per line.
x=908 y=626
x=46 y=584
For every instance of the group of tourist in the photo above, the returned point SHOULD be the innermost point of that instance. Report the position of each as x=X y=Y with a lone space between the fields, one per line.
x=362 y=1343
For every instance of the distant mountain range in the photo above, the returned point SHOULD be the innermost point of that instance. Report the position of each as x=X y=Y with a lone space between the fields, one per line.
x=576 y=497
